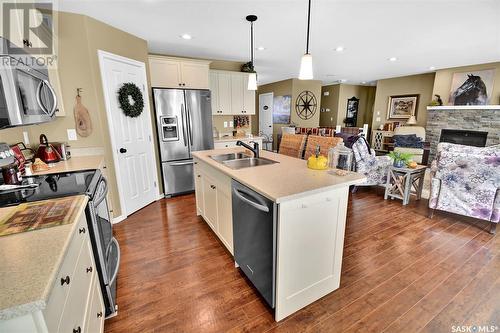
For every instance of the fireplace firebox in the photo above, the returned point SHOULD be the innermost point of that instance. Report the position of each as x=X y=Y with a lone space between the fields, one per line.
x=464 y=137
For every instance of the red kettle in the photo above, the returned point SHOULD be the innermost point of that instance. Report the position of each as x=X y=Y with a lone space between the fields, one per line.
x=46 y=152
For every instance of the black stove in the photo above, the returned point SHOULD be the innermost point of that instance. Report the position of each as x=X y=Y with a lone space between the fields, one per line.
x=52 y=186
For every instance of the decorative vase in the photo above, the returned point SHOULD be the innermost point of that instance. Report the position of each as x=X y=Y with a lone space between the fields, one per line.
x=399 y=163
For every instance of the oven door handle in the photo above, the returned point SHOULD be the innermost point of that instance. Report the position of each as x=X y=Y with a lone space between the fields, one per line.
x=118 y=253
x=98 y=200
x=46 y=83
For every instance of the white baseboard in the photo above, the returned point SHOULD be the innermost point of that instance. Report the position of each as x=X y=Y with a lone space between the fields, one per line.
x=118 y=219
x=160 y=196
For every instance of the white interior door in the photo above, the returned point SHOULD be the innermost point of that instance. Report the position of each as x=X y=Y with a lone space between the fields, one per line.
x=131 y=138
x=266 y=114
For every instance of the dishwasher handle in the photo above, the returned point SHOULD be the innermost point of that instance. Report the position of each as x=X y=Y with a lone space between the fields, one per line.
x=256 y=205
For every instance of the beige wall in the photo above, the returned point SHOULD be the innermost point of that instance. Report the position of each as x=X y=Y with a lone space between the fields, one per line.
x=442 y=82
x=337 y=103
x=78 y=66
x=331 y=103
x=292 y=87
x=415 y=84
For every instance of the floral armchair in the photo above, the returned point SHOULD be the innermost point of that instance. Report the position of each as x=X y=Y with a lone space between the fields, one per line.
x=466 y=181
x=373 y=167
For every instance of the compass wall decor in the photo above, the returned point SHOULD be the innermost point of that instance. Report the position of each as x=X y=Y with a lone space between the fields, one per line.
x=306 y=105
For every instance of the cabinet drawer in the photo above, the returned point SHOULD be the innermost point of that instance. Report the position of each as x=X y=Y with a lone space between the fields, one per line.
x=95 y=311
x=73 y=315
x=60 y=290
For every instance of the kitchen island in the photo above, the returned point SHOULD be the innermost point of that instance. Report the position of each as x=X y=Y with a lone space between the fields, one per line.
x=310 y=214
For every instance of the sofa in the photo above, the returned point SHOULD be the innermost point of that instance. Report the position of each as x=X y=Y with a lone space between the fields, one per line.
x=465 y=180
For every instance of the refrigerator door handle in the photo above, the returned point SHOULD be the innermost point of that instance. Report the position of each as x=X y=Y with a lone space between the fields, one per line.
x=181 y=163
x=183 y=125
x=188 y=111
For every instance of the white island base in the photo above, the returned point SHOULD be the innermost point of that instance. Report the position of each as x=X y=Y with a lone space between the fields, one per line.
x=311 y=219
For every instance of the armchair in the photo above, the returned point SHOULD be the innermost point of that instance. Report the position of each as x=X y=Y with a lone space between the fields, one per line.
x=420 y=155
x=466 y=181
x=373 y=167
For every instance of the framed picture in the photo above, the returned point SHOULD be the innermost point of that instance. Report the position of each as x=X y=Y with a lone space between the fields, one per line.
x=472 y=88
x=402 y=106
x=351 y=117
x=282 y=106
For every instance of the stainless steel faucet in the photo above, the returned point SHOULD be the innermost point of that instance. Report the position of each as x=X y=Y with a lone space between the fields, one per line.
x=255 y=149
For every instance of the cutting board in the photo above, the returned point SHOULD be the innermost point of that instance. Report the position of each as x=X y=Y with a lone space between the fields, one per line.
x=40 y=214
x=83 y=121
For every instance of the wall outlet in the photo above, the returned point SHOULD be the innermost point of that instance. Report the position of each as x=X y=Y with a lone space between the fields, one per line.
x=331 y=119
x=327 y=110
x=231 y=124
x=72 y=134
x=225 y=124
x=26 y=138
x=377 y=119
x=326 y=93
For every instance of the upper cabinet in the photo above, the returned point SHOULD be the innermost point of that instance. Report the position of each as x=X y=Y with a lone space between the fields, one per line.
x=230 y=95
x=168 y=72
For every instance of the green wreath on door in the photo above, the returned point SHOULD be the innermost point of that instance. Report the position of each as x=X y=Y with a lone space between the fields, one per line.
x=131 y=100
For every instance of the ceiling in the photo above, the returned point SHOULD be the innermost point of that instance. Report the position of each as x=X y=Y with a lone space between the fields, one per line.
x=420 y=33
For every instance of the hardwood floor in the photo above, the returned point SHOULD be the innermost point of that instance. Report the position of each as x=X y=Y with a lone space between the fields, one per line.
x=401 y=272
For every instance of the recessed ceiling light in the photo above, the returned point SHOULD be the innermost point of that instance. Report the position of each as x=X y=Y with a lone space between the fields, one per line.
x=339 y=49
x=432 y=68
x=261 y=48
x=393 y=59
x=186 y=36
x=363 y=82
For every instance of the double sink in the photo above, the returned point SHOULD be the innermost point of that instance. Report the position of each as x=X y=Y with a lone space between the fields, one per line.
x=241 y=160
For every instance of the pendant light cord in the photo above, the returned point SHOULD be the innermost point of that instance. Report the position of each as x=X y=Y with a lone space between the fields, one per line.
x=251 y=42
x=308 y=25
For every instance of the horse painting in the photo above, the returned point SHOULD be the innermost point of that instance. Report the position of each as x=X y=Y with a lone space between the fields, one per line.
x=472 y=92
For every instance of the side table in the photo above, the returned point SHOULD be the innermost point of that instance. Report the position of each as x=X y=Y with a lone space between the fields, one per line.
x=402 y=182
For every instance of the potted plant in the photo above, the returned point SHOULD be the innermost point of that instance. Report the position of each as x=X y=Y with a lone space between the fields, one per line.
x=400 y=159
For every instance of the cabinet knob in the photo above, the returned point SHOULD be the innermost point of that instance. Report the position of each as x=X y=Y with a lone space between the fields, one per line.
x=89 y=269
x=213 y=187
x=77 y=330
x=99 y=314
x=81 y=230
x=198 y=176
x=65 y=280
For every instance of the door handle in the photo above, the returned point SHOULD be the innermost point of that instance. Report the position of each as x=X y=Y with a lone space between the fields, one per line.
x=123 y=150
x=250 y=202
x=183 y=125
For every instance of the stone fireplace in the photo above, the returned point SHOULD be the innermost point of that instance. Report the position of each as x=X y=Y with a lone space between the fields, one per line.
x=471 y=120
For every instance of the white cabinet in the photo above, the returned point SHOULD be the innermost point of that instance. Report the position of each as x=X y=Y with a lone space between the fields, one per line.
x=198 y=190
x=168 y=72
x=230 y=95
x=220 y=87
x=75 y=301
x=210 y=201
x=213 y=201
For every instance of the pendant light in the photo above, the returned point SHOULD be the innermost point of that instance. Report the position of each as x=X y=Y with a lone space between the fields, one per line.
x=252 y=77
x=306 y=66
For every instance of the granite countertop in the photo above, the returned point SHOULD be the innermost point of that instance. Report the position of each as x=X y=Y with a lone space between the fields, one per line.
x=236 y=138
x=289 y=179
x=75 y=163
x=30 y=262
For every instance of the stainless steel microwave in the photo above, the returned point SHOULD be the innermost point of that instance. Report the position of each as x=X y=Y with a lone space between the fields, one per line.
x=26 y=96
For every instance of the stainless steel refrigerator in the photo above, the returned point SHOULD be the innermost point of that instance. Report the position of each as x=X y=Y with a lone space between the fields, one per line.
x=184 y=123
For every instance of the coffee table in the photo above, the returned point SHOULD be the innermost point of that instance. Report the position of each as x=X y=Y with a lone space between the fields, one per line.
x=402 y=182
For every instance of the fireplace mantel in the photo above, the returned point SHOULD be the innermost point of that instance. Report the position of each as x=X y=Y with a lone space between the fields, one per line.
x=464 y=107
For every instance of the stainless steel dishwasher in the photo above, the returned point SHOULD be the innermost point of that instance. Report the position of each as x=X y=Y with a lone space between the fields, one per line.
x=254 y=237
